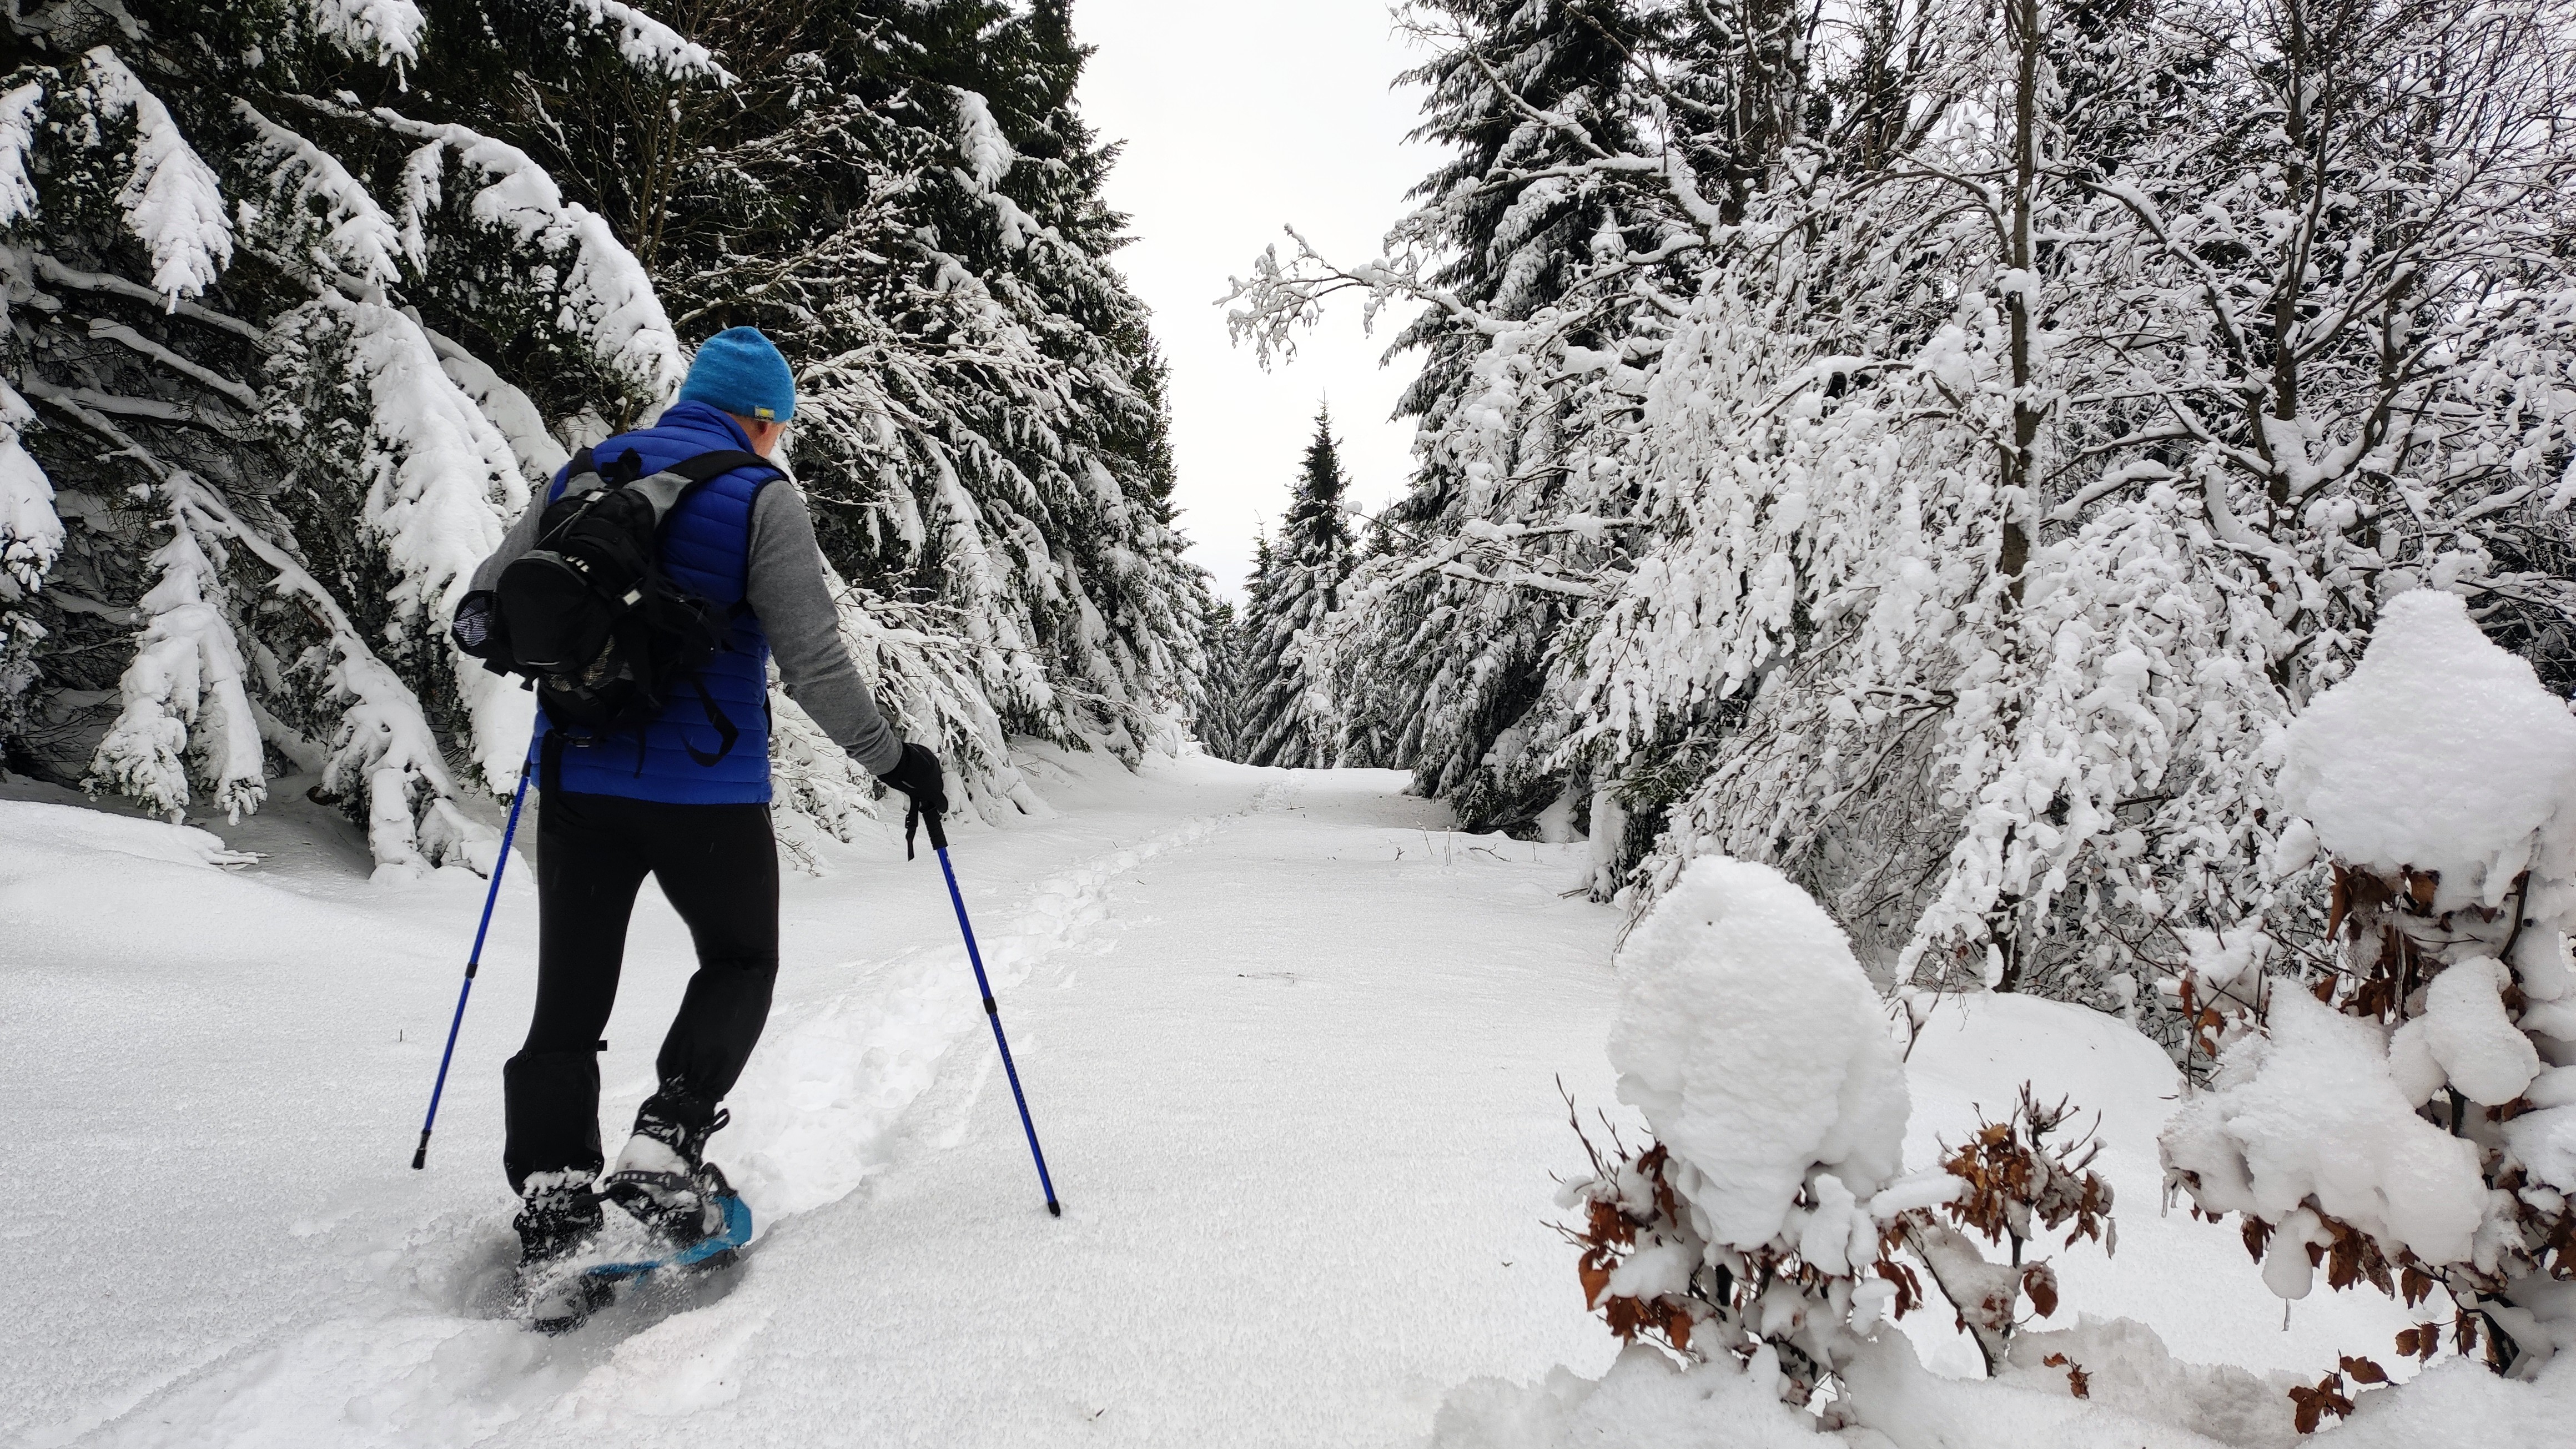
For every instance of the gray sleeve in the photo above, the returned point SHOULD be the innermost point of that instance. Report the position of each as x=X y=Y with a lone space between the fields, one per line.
x=521 y=537
x=804 y=627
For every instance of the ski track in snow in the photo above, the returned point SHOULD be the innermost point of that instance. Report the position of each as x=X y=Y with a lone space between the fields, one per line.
x=822 y=1109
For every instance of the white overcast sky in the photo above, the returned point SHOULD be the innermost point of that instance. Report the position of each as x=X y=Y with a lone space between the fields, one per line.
x=1239 y=117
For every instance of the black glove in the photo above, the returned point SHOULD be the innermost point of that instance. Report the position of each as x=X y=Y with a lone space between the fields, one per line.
x=917 y=775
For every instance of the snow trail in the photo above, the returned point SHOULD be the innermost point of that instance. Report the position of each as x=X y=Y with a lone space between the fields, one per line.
x=1292 y=1043
x=1247 y=1099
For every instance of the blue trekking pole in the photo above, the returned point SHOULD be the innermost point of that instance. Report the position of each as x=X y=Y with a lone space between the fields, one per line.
x=492 y=897
x=992 y=1013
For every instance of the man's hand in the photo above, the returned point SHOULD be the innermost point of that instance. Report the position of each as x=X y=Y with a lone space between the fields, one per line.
x=917 y=775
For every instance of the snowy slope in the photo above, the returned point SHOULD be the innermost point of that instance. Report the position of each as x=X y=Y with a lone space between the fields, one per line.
x=1291 y=1044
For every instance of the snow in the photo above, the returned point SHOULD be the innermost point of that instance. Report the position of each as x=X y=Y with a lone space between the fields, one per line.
x=1304 y=1152
x=1755 y=1047
x=2313 y=1108
x=2441 y=751
x=1644 y=1402
x=2467 y=1033
x=31 y=532
x=172 y=202
x=384 y=31
x=1293 y=1046
x=649 y=45
x=20 y=113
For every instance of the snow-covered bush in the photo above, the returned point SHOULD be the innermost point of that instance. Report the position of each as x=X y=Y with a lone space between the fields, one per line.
x=1753 y=1044
x=2407 y=1117
x=1770 y=1221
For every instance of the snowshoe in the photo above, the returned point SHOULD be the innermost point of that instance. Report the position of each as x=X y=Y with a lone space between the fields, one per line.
x=720 y=1246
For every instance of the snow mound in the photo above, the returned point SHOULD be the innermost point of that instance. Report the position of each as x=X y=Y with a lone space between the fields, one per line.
x=2441 y=749
x=1644 y=1402
x=2314 y=1109
x=35 y=836
x=2127 y=1368
x=1754 y=1044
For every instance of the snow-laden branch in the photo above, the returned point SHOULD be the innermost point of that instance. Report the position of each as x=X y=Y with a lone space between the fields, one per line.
x=649 y=45
x=171 y=200
x=31 y=533
x=607 y=296
x=20 y=112
x=442 y=486
x=310 y=192
x=385 y=31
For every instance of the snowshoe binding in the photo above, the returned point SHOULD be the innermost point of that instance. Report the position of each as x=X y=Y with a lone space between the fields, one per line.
x=662 y=1178
x=559 y=1223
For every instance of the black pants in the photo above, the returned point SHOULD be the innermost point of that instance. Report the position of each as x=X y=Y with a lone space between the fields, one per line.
x=719 y=868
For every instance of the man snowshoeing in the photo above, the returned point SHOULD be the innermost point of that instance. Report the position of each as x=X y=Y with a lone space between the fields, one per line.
x=687 y=803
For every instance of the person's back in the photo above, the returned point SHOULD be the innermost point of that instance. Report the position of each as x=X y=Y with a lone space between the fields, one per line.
x=683 y=798
x=706 y=548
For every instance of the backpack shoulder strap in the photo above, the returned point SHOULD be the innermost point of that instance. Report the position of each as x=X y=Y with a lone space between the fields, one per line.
x=720 y=462
x=581 y=475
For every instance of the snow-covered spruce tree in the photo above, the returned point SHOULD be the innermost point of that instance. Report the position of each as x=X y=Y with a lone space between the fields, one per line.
x=1449 y=636
x=1288 y=715
x=259 y=270
x=905 y=196
x=2012 y=468
x=1218 y=724
x=2402 y=1112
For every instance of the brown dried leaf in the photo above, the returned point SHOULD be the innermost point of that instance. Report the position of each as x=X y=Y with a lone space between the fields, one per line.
x=2040 y=1281
x=1595 y=1271
x=2258 y=1234
x=2417 y=1284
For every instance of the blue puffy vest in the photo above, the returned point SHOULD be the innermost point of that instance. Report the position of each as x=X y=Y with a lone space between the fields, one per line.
x=706 y=548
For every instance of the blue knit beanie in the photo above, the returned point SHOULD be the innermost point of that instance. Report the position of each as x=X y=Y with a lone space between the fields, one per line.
x=740 y=371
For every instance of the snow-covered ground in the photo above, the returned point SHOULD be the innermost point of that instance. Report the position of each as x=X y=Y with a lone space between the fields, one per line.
x=1293 y=1045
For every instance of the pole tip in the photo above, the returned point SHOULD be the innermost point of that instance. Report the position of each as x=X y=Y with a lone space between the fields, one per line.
x=1054 y=1209
x=419 y=1159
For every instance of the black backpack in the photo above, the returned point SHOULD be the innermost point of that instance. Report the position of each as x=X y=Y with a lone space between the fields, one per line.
x=589 y=618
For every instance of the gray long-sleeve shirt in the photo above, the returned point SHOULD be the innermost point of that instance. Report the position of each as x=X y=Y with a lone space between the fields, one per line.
x=787 y=594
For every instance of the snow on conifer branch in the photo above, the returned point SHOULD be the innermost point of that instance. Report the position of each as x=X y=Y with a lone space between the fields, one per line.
x=171 y=199
x=648 y=44
x=387 y=32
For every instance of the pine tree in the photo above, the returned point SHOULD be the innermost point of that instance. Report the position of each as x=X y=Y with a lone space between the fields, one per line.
x=1218 y=722
x=906 y=197
x=304 y=299
x=262 y=267
x=1288 y=718
x=1442 y=668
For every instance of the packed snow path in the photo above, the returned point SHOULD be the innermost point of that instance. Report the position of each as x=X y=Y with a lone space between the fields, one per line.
x=1291 y=1043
